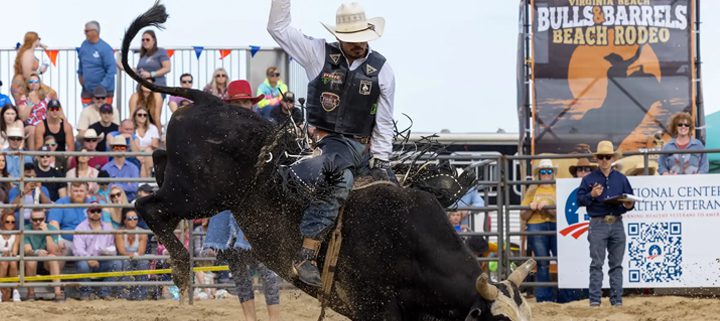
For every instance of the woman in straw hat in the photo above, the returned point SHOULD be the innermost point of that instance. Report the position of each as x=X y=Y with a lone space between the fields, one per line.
x=681 y=127
x=607 y=232
x=350 y=104
x=540 y=218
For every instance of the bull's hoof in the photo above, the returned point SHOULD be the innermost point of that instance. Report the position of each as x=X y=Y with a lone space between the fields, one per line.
x=181 y=274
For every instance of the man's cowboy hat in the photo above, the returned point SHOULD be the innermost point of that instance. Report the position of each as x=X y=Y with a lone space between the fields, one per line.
x=92 y=134
x=240 y=89
x=582 y=162
x=353 y=26
x=544 y=164
x=605 y=147
x=118 y=140
x=13 y=131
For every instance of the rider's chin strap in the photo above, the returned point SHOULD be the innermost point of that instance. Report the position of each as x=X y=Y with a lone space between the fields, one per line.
x=328 y=273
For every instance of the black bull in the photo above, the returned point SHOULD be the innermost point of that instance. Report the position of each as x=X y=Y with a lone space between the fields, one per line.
x=400 y=258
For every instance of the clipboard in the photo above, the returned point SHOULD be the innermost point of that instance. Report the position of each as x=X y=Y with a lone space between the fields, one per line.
x=622 y=198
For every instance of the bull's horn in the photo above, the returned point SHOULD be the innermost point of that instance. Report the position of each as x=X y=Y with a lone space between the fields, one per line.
x=486 y=290
x=519 y=275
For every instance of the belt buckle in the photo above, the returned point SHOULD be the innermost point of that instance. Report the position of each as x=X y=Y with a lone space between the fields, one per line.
x=609 y=219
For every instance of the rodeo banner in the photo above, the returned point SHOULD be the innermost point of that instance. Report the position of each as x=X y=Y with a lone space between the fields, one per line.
x=669 y=236
x=609 y=70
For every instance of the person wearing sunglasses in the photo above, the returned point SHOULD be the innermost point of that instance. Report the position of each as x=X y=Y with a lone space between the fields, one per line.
x=218 y=84
x=9 y=246
x=33 y=107
x=42 y=245
x=154 y=61
x=273 y=87
x=175 y=102
x=15 y=164
x=45 y=169
x=151 y=101
x=96 y=65
x=30 y=192
x=91 y=113
x=95 y=245
x=56 y=126
x=582 y=168
x=682 y=128
x=607 y=232
x=148 y=138
x=541 y=217
x=133 y=245
x=120 y=167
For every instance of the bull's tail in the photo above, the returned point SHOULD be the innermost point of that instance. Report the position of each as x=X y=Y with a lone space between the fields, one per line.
x=155 y=17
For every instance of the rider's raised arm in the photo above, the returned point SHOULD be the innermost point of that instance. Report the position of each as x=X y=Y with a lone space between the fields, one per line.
x=384 y=131
x=307 y=51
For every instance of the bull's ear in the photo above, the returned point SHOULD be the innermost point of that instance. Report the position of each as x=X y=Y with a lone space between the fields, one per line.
x=474 y=315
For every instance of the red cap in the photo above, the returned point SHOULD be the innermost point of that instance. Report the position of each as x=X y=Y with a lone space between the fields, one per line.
x=240 y=89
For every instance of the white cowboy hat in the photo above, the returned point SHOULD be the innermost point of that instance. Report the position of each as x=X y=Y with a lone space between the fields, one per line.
x=13 y=131
x=545 y=164
x=92 y=134
x=118 y=140
x=352 y=26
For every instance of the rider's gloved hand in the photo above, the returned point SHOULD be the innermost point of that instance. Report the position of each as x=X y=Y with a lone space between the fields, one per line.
x=380 y=169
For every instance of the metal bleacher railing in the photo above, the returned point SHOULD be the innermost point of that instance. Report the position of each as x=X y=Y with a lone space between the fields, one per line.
x=496 y=182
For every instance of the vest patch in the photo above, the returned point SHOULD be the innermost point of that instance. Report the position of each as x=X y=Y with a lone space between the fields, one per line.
x=331 y=77
x=329 y=101
x=365 y=87
x=370 y=69
x=335 y=58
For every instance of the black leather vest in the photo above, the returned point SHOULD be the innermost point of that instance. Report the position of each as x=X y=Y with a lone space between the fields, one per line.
x=344 y=101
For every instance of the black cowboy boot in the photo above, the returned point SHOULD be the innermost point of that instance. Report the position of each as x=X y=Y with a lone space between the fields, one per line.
x=305 y=266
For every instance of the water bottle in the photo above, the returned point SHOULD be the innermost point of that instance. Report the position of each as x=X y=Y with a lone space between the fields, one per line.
x=174 y=292
x=16 y=296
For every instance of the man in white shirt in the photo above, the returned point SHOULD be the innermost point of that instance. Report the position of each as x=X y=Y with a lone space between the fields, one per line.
x=349 y=106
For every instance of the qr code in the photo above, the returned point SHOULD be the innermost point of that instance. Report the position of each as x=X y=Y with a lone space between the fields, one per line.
x=655 y=251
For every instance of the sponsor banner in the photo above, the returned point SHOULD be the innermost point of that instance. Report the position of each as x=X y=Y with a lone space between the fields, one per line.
x=609 y=70
x=670 y=235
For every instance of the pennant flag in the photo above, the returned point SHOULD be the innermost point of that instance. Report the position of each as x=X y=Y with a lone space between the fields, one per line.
x=52 y=54
x=198 y=51
x=224 y=53
x=77 y=49
x=17 y=46
x=254 y=50
x=170 y=52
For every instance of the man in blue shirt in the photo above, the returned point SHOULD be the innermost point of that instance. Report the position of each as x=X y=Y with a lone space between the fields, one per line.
x=96 y=64
x=67 y=219
x=607 y=232
x=119 y=167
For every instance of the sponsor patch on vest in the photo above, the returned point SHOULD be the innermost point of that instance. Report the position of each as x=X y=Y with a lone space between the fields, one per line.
x=365 y=87
x=335 y=58
x=329 y=101
x=370 y=69
x=331 y=77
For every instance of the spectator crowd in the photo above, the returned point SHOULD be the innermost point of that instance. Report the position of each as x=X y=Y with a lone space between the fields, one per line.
x=33 y=119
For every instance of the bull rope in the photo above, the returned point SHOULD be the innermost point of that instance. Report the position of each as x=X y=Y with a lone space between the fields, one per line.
x=331 y=256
